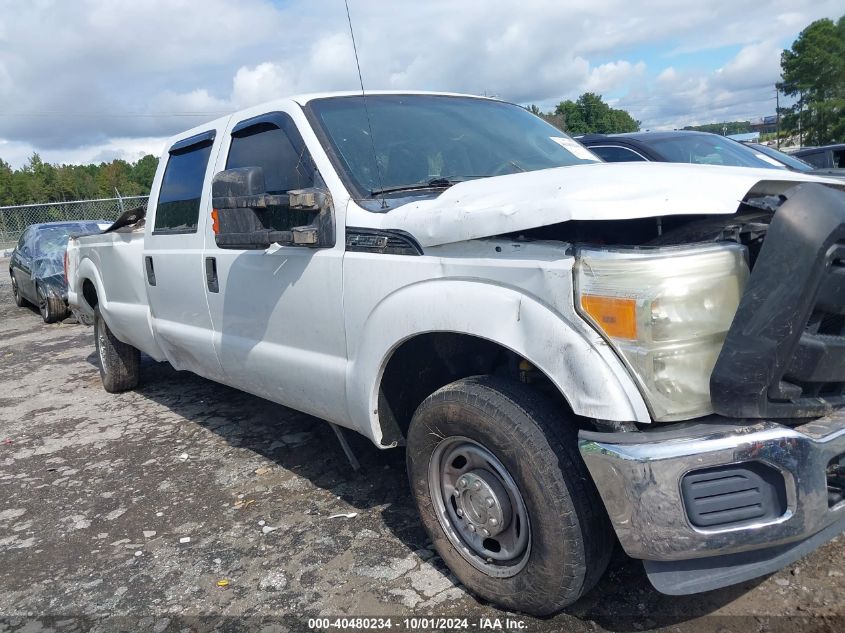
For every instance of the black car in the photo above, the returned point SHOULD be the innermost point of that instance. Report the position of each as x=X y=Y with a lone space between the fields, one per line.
x=701 y=148
x=37 y=265
x=825 y=157
x=795 y=164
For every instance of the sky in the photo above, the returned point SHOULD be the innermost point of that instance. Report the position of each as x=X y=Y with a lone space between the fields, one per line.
x=92 y=80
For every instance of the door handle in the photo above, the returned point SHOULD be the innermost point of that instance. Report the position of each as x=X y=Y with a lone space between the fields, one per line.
x=211 y=274
x=151 y=273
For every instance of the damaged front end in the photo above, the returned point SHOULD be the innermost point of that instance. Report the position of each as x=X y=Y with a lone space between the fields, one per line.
x=49 y=275
x=759 y=483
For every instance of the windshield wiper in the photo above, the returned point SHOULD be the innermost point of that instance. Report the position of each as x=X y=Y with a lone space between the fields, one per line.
x=434 y=183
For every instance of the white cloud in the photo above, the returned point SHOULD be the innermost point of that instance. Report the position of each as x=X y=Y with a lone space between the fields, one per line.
x=129 y=149
x=614 y=75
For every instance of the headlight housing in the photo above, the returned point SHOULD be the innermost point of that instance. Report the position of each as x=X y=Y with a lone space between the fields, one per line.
x=666 y=311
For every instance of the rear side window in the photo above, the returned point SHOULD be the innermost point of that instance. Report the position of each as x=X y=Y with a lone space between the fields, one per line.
x=273 y=143
x=181 y=188
x=818 y=159
x=615 y=154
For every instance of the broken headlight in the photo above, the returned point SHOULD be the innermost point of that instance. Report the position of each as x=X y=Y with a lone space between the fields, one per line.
x=666 y=311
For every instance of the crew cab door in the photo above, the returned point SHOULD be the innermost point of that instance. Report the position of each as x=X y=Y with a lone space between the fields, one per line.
x=277 y=313
x=173 y=264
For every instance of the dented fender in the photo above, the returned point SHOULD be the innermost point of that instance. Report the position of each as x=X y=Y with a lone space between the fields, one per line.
x=579 y=363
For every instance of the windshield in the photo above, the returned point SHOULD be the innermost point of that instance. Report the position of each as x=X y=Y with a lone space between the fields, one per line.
x=786 y=159
x=48 y=244
x=428 y=141
x=705 y=149
x=52 y=240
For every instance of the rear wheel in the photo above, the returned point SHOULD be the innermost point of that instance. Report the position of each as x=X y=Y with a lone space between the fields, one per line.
x=16 y=293
x=52 y=308
x=505 y=496
x=119 y=361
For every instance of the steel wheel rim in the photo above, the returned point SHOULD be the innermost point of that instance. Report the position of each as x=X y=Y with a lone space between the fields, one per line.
x=15 y=289
x=480 y=507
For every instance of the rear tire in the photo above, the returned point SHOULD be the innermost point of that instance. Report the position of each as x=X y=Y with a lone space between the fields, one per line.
x=119 y=361
x=16 y=292
x=52 y=308
x=518 y=457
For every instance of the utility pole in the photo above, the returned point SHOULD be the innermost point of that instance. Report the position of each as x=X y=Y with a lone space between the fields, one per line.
x=800 y=116
x=777 y=114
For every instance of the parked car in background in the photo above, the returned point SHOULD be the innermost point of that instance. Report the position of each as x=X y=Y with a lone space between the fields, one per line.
x=794 y=163
x=701 y=148
x=37 y=265
x=826 y=156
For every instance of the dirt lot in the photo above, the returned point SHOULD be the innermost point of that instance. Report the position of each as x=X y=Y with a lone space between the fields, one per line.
x=126 y=512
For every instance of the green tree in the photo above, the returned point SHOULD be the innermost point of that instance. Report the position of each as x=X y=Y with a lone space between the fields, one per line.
x=38 y=181
x=5 y=183
x=589 y=114
x=144 y=171
x=813 y=70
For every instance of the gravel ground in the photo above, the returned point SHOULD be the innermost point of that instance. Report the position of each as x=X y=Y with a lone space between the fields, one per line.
x=186 y=505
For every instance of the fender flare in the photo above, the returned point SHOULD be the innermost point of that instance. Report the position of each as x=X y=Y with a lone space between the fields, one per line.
x=574 y=357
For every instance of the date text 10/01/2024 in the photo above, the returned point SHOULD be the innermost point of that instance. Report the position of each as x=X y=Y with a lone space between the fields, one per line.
x=415 y=624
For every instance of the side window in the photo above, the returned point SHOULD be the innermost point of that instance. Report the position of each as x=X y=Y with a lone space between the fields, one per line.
x=274 y=144
x=23 y=240
x=816 y=159
x=614 y=154
x=178 y=205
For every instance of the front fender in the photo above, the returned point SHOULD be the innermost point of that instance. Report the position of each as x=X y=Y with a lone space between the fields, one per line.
x=574 y=357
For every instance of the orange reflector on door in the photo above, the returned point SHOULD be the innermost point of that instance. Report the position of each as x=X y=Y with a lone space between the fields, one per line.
x=215 y=221
x=617 y=317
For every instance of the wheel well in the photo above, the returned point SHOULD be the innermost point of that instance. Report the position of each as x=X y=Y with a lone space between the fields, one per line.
x=424 y=363
x=89 y=293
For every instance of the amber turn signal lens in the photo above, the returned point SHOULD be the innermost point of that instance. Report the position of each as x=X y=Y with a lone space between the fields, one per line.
x=615 y=316
x=215 y=221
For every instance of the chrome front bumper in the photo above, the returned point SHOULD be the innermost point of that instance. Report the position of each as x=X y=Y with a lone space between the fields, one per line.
x=639 y=478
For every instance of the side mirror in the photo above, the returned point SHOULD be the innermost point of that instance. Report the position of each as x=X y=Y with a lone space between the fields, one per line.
x=243 y=212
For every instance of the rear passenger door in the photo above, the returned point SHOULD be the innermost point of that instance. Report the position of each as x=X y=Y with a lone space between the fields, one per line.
x=173 y=265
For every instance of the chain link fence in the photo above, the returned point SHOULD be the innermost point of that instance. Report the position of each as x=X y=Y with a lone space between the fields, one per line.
x=13 y=220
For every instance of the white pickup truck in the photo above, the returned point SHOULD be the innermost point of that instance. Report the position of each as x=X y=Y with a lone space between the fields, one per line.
x=572 y=352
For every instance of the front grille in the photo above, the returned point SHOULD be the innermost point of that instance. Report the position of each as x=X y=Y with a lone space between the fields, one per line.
x=784 y=355
x=816 y=371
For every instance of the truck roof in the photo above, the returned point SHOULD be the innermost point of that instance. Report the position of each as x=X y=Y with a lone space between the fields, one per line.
x=303 y=99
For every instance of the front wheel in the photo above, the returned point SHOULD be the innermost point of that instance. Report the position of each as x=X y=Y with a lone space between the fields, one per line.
x=119 y=361
x=505 y=497
x=52 y=308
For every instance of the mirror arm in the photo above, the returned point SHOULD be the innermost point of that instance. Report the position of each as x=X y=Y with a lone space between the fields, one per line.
x=261 y=201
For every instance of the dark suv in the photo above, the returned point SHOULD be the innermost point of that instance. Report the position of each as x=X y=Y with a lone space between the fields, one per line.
x=701 y=148
x=828 y=156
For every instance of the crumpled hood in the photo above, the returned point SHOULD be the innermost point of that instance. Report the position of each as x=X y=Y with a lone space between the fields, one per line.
x=599 y=191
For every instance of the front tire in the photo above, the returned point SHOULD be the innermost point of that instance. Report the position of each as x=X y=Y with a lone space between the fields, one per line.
x=52 y=308
x=119 y=361
x=505 y=496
